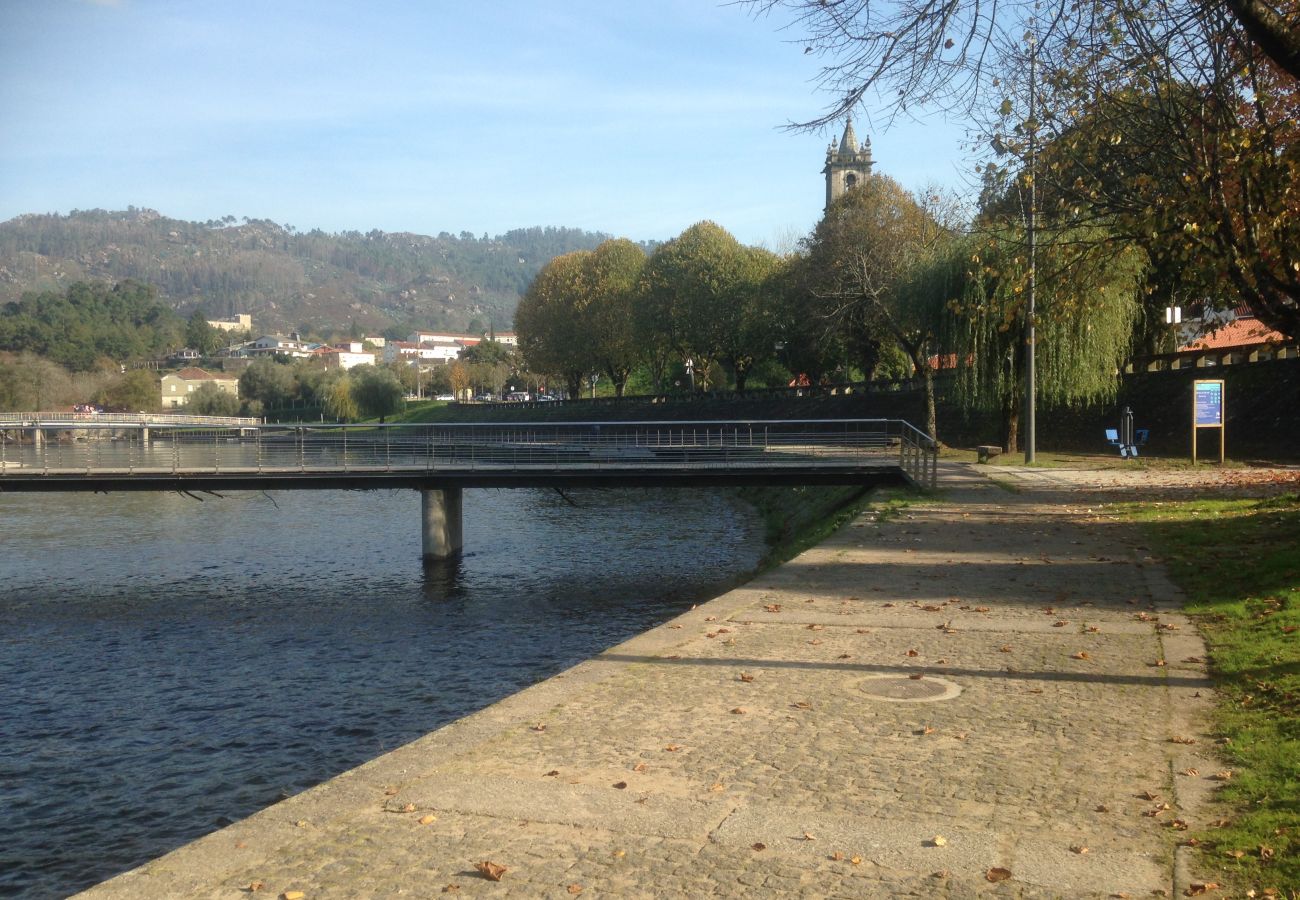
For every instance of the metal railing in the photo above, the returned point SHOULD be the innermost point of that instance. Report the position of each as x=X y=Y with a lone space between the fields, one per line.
x=104 y=448
x=78 y=419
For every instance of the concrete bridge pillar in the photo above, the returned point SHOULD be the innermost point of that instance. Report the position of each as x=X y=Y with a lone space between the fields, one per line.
x=440 y=533
x=38 y=438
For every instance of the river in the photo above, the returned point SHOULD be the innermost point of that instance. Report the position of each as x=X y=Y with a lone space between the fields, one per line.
x=170 y=665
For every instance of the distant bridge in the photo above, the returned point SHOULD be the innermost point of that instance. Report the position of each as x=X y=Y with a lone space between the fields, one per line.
x=92 y=454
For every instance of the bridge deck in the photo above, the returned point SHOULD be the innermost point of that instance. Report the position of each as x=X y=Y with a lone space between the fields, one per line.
x=117 y=457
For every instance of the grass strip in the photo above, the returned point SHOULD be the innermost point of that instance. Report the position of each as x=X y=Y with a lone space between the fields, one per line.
x=1238 y=561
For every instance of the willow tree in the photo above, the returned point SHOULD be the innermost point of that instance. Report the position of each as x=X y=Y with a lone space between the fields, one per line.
x=1088 y=302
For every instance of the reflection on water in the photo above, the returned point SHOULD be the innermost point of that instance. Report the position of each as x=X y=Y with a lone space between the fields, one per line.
x=169 y=665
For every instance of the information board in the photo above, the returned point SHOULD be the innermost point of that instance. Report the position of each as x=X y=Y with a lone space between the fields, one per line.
x=1209 y=403
x=1207 y=411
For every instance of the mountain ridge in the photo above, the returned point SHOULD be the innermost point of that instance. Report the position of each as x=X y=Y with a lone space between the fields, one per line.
x=287 y=279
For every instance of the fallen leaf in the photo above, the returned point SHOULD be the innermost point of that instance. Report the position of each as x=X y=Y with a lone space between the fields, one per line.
x=718 y=787
x=621 y=785
x=390 y=792
x=815 y=641
x=760 y=846
x=997 y=873
x=745 y=677
x=1078 y=848
x=710 y=618
x=1158 y=664
x=942 y=873
x=408 y=808
x=844 y=656
x=1093 y=629
x=816 y=628
x=451 y=889
x=981 y=609
x=1182 y=740
x=1005 y=648
x=1082 y=654
x=1222 y=776
x=837 y=856
x=913 y=653
x=1147 y=795
x=917 y=677
x=862 y=631
x=673 y=748
x=926 y=730
x=292 y=895
x=856 y=860
x=773 y=607
x=1060 y=624
x=1101 y=807
x=303 y=823
x=254 y=887
x=1196 y=888
x=1190 y=773
x=938 y=841
x=552 y=773
x=1266 y=853
x=639 y=767
x=808 y=837
x=619 y=854
x=739 y=711
x=491 y=871
x=428 y=820
x=802 y=704
x=574 y=889
x=539 y=727
x=1178 y=825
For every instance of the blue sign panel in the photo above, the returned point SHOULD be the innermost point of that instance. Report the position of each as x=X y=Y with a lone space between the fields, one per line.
x=1209 y=403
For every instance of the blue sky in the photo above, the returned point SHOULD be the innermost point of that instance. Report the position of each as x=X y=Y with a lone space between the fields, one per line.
x=625 y=116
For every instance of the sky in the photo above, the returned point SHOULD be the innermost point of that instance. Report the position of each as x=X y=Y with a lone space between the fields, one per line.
x=636 y=118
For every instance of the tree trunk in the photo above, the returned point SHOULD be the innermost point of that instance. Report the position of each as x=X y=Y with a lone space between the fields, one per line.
x=930 y=419
x=1010 y=425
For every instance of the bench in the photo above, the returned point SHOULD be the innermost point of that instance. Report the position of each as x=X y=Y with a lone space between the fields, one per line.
x=985 y=452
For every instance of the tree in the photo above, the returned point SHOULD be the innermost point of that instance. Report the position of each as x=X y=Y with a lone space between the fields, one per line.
x=210 y=400
x=376 y=392
x=1178 y=117
x=690 y=285
x=613 y=274
x=202 y=336
x=267 y=381
x=459 y=375
x=137 y=390
x=1083 y=321
x=748 y=330
x=876 y=256
x=549 y=322
x=338 y=401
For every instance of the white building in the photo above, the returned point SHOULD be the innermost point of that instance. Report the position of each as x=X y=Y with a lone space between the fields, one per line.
x=279 y=345
x=241 y=322
x=345 y=356
x=441 y=352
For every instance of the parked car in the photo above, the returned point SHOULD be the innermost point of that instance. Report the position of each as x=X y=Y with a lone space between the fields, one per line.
x=444 y=397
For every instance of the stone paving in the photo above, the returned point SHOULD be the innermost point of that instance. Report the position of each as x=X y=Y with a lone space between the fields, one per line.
x=961 y=699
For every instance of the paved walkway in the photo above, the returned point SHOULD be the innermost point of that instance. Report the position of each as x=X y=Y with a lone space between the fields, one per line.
x=964 y=690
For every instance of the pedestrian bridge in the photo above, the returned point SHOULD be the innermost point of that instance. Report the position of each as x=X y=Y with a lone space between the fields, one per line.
x=180 y=454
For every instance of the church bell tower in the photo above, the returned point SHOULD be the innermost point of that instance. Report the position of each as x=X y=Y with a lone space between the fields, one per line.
x=847 y=165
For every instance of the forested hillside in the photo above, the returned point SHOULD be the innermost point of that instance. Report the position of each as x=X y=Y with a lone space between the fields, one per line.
x=288 y=279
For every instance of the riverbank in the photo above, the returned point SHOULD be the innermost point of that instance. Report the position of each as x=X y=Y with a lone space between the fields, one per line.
x=958 y=698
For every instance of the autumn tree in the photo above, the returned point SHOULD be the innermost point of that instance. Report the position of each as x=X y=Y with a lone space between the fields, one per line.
x=874 y=254
x=610 y=285
x=549 y=322
x=1177 y=117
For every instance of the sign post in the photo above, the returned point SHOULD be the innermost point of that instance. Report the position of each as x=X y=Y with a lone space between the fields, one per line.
x=1207 y=411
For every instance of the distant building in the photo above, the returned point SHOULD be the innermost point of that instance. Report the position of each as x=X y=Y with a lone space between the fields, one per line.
x=345 y=355
x=241 y=322
x=509 y=338
x=280 y=345
x=442 y=352
x=847 y=166
x=186 y=354
x=178 y=386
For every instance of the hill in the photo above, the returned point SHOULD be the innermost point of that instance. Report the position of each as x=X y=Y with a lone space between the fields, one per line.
x=289 y=280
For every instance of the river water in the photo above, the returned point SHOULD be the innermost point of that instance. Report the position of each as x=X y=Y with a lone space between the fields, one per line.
x=168 y=666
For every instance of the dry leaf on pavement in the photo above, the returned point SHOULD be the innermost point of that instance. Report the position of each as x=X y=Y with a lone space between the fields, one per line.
x=491 y=871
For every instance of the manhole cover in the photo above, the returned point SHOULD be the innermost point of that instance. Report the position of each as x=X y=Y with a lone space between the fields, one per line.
x=902 y=689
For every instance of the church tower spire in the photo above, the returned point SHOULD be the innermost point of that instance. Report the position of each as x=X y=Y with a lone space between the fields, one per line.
x=846 y=165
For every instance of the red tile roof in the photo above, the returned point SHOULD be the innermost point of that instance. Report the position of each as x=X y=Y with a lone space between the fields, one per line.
x=1237 y=333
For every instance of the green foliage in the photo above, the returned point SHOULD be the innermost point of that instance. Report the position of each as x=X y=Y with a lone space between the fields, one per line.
x=201 y=336
x=231 y=268
x=1239 y=562
x=549 y=322
x=338 y=401
x=89 y=322
x=136 y=391
x=210 y=400
x=375 y=391
x=271 y=383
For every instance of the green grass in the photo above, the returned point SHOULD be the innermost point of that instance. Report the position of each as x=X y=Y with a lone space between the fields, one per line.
x=1239 y=563
x=1051 y=459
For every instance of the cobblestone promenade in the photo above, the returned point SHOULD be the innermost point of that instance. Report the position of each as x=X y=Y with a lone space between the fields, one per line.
x=962 y=699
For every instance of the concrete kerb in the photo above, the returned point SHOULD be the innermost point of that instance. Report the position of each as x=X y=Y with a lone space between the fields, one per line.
x=1014 y=772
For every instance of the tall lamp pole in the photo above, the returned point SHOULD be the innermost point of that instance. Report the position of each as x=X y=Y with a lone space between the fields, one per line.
x=1032 y=225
